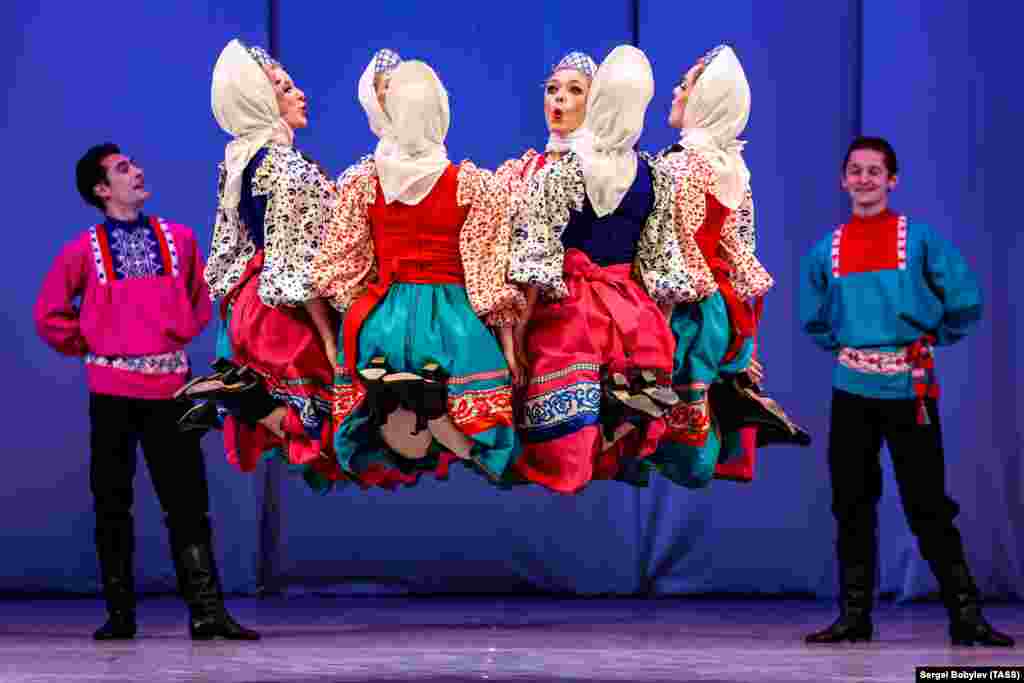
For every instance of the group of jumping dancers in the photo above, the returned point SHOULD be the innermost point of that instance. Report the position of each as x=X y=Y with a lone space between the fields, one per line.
x=585 y=313
x=559 y=320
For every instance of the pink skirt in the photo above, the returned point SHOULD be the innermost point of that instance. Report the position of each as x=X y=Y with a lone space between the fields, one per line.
x=606 y=321
x=282 y=345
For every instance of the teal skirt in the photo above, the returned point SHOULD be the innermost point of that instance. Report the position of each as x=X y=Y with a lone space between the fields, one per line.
x=693 y=444
x=412 y=325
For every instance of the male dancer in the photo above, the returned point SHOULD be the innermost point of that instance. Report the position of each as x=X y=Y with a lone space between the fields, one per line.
x=880 y=292
x=142 y=299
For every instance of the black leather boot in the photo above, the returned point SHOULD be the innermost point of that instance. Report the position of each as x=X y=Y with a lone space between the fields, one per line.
x=115 y=548
x=967 y=625
x=857 y=594
x=199 y=583
x=738 y=402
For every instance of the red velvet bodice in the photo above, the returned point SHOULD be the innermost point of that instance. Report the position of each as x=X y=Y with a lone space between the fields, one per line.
x=420 y=243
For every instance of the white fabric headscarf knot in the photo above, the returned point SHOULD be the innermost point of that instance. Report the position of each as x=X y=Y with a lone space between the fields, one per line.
x=618 y=101
x=716 y=113
x=245 y=106
x=411 y=156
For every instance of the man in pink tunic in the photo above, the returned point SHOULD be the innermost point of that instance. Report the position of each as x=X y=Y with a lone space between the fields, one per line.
x=138 y=282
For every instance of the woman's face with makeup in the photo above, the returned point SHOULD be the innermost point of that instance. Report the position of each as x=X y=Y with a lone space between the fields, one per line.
x=565 y=100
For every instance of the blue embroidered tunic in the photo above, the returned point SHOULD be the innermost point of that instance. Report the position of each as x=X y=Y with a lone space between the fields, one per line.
x=876 y=285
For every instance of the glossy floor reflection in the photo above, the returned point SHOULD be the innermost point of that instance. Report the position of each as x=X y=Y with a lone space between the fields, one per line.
x=486 y=639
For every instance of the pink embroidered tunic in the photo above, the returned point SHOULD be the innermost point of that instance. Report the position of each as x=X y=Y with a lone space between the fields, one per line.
x=141 y=300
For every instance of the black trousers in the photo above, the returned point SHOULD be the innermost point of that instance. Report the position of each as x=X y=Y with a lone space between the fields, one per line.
x=175 y=461
x=858 y=427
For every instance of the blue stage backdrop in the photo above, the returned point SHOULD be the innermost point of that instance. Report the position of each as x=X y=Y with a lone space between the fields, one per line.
x=940 y=141
x=139 y=74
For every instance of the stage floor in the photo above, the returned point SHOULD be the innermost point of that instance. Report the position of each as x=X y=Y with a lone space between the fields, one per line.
x=487 y=639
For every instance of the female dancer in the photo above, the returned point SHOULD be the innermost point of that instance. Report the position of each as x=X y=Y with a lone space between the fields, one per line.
x=714 y=332
x=565 y=106
x=414 y=258
x=277 y=338
x=598 y=349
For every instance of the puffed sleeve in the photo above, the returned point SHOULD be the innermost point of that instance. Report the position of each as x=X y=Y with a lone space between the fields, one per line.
x=346 y=261
x=538 y=255
x=299 y=203
x=485 y=244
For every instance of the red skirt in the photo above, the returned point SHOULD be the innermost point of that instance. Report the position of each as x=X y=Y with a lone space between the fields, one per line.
x=282 y=345
x=606 y=321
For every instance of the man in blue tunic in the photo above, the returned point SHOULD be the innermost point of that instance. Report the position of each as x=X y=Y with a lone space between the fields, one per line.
x=879 y=292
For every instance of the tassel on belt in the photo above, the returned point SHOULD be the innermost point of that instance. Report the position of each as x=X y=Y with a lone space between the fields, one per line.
x=918 y=359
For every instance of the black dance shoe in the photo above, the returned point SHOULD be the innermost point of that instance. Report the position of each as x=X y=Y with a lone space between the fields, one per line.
x=223 y=365
x=967 y=624
x=737 y=402
x=433 y=402
x=380 y=399
x=646 y=382
x=200 y=417
x=619 y=404
x=233 y=381
x=120 y=625
x=848 y=627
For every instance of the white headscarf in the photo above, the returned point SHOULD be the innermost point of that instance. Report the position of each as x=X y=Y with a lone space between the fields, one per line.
x=618 y=101
x=245 y=106
x=716 y=113
x=384 y=61
x=411 y=156
x=583 y=64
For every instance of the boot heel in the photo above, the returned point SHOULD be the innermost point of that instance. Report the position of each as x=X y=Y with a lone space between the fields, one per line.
x=646 y=382
x=969 y=636
x=380 y=399
x=967 y=624
x=865 y=637
x=435 y=391
x=199 y=584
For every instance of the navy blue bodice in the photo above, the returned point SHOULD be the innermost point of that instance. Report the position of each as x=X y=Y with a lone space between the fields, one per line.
x=613 y=239
x=252 y=209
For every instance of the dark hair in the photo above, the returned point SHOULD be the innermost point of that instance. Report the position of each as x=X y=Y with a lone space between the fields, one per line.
x=89 y=172
x=879 y=145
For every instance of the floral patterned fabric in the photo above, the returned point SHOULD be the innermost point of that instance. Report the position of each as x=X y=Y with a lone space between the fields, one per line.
x=661 y=263
x=693 y=178
x=299 y=200
x=538 y=254
x=712 y=330
x=485 y=243
x=413 y=301
x=346 y=263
